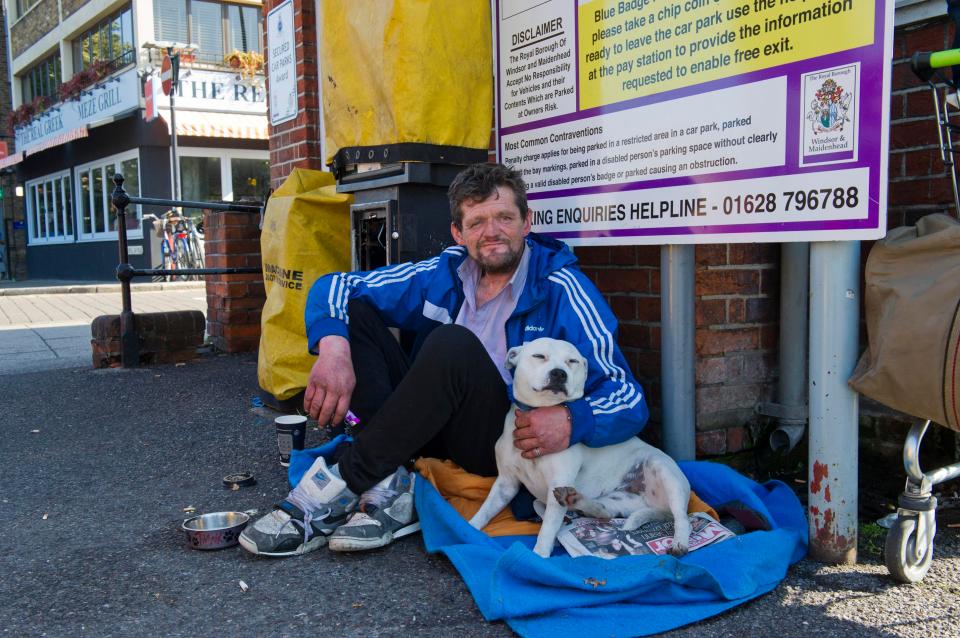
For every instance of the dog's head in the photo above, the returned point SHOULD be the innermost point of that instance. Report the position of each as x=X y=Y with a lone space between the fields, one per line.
x=547 y=372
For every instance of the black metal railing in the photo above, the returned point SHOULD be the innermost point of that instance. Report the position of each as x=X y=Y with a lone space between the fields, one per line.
x=129 y=345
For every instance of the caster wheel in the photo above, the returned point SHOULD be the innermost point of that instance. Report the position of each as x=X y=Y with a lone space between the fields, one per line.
x=907 y=562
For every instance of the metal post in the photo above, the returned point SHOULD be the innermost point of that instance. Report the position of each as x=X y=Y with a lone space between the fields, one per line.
x=677 y=360
x=129 y=346
x=175 y=73
x=833 y=456
x=791 y=389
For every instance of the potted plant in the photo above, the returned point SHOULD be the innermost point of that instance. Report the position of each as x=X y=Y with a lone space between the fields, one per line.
x=249 y=63
x=27 y=111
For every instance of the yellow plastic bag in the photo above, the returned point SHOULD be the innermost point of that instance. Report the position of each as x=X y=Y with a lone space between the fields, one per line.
x=306 y=234
x=397 y=71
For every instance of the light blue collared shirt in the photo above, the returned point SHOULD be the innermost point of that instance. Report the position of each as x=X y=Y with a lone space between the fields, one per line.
x=489 y=321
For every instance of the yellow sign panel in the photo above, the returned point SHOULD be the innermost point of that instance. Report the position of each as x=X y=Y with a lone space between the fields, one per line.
x=634 y=48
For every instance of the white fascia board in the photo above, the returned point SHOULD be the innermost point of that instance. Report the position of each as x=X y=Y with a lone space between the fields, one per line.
x=912 y=11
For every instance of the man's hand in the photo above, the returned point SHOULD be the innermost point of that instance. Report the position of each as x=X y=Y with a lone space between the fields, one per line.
x=542 y=431
x=331 y=381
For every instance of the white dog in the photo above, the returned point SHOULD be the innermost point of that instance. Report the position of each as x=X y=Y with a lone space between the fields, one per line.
x=630 y=479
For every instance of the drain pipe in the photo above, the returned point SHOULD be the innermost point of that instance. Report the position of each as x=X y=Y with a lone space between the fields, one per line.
x=791 y=408
x=677 y=357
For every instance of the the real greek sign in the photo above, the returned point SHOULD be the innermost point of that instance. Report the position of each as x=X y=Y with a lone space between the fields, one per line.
x=218 y=91
x=116 y=95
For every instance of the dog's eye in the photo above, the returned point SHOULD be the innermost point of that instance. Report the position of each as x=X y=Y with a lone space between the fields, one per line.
x=573 y=362
x=539 y=356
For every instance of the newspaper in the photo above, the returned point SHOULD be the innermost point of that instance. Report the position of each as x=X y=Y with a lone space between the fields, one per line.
x=605 y=538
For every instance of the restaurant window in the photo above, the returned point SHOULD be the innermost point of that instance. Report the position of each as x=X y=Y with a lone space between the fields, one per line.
x=200 y=179
x=42 y=79
x=49 y=209
x=96 y=218
x=110 y=40
x=250 y=178
x=215 y=28
x=208 y=174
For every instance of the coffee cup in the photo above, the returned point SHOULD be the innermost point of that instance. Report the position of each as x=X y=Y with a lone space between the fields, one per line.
x=291 y=432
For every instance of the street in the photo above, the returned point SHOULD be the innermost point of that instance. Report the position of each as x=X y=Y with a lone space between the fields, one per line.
x=101 y=466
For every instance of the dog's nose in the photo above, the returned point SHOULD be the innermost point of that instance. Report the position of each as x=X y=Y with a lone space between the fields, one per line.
x=558 y=376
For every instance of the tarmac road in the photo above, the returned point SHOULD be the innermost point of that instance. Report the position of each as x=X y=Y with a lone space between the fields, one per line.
x=91 y=502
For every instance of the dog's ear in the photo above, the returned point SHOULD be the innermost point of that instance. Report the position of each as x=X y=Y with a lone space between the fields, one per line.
x=513 y=355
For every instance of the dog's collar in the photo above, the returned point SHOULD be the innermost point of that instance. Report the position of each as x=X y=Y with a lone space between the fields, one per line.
x=523 y=406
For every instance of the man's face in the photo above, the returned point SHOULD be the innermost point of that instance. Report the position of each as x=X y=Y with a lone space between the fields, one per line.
x=493 y=231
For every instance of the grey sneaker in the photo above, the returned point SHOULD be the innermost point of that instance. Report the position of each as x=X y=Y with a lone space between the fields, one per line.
x=386 y=513
x=319 y=504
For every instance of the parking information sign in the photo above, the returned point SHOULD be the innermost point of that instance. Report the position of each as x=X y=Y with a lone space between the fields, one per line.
x=697 y=121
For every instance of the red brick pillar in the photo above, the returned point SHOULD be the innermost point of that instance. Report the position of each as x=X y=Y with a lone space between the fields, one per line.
x=296 y=143
x=234 y=302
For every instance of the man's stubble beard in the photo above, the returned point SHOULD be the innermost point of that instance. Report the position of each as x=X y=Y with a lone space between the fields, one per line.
x=498 y=268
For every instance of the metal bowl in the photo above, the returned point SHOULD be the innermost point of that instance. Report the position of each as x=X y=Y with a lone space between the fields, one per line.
x=215 y=530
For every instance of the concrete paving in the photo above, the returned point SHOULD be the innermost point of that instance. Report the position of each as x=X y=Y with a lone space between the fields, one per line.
x=49 y=329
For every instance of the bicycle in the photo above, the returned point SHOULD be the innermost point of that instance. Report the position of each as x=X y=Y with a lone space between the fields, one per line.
x=181 y=245
x=189 y=242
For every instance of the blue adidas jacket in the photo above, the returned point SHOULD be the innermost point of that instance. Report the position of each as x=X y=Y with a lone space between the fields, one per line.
x=557 y=301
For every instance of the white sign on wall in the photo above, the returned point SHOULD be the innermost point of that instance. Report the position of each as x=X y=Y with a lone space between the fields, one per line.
x=217 y=91
x=282 y=63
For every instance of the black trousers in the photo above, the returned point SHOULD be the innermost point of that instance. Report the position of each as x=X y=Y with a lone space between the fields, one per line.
x=448 y=402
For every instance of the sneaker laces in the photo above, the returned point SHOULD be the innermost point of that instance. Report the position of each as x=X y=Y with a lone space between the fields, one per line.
x=308 y=515
x=376 y=497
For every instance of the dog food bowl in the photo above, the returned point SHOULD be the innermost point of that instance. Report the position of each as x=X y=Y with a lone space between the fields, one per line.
x=215 y=530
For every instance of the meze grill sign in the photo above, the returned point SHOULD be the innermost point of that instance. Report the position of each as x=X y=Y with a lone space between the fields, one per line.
x=116 y=95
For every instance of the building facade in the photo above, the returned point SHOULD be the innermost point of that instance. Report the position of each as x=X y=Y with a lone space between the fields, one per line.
x=13 y=235
x=85 y=78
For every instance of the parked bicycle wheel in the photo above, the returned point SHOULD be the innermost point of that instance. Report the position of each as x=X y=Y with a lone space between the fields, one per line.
x=169 y=263
x=183 y=257
x=196 y=243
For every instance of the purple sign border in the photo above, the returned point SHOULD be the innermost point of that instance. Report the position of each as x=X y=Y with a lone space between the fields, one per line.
x=874 y=103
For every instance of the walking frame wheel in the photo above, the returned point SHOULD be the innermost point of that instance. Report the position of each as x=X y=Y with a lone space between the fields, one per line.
x=908 y=551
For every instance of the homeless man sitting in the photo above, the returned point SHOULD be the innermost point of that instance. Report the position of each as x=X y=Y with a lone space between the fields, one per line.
x=500 y=286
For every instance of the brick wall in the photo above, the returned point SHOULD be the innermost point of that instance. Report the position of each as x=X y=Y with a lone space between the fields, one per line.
x=163 y=337
x=234 y=302
x=38 y=22
x=296 y=143
x=736 y=330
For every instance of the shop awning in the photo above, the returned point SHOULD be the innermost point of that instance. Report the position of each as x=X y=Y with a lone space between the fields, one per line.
x=241 y=126
x=10 y=160
x=67 y=136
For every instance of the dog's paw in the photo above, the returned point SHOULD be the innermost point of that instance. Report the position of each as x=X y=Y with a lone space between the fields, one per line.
x=542 y=551
x=569 y=497
x=679 y=550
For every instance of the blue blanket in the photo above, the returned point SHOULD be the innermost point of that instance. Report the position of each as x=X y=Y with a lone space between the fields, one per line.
x=627 y=596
